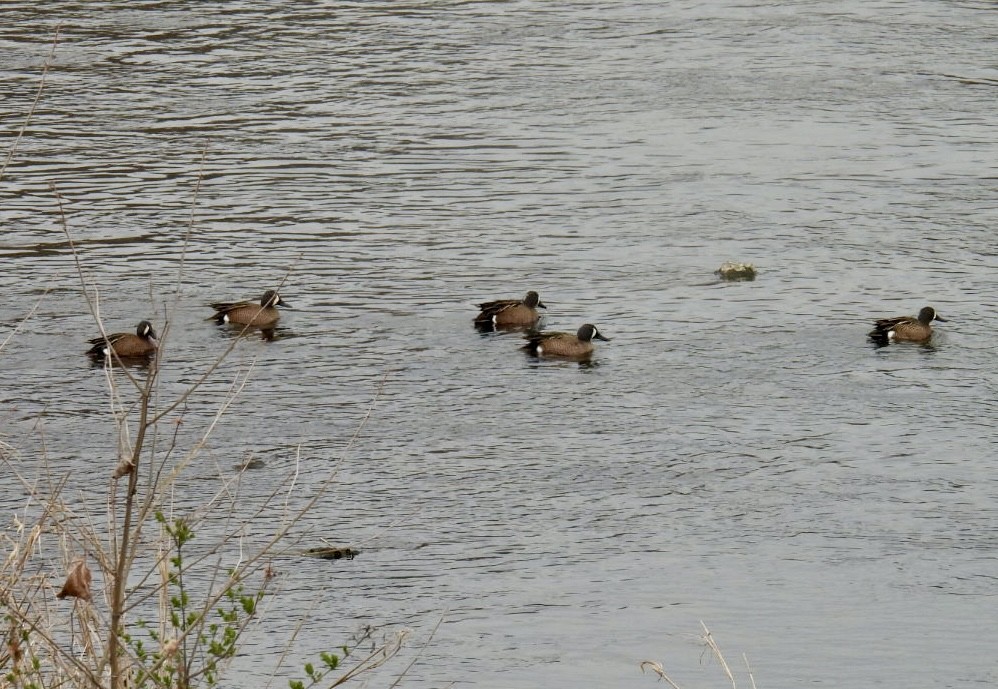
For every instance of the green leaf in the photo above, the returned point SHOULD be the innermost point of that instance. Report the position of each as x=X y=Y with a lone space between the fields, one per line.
x=249 y=605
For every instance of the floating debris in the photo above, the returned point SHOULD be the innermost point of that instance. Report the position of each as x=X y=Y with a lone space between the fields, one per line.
x=730 y=270
x=332 y=553
x=251 y=463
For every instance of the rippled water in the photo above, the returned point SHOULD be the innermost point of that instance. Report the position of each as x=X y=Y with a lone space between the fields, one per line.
x=738 y=453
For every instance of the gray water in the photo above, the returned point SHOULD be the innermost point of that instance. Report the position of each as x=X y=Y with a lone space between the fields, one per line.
x=738 y=453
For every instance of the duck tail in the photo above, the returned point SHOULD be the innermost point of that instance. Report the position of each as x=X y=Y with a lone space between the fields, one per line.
x=880 y=337
x=484 y=323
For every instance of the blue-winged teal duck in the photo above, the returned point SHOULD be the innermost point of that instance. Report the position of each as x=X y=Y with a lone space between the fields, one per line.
x=126 y=345
x=566 y=345
x=510 y=313
x=905 y=328
x=262 y=314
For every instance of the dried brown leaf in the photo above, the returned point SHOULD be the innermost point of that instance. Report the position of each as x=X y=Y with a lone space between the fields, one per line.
x=124 y=468
x=77 y=581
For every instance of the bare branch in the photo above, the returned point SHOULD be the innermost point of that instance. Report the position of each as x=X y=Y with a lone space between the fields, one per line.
x=34 y=103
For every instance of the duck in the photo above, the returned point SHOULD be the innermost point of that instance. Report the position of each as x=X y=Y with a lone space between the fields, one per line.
x=565 y=345
x=141 y=344
x=510 y=313
x=262 y=314
x=905 y=328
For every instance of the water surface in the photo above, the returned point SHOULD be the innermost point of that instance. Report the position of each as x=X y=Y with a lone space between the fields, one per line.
x=737 y=454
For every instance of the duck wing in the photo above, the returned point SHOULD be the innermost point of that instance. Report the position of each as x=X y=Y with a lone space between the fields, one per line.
x=535 y=340
x=491 y=308
x=885 y=324
x=111 y=338
x=226 y=306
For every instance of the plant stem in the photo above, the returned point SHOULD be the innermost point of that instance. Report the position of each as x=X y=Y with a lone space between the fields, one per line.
x=121 y=565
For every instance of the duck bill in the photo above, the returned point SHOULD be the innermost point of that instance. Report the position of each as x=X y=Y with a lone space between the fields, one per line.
x=540 y=305
x=940 y=319
x=284 y=304
x=599 y=336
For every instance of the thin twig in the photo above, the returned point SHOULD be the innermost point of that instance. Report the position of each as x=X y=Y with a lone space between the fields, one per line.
x=190 y=222
x=287 y=649
x=92 y=303
x=218 y=362
x=376 y=658
x=24 y=320
x=660 y=671
x=405 y=671
x=748 y=668
x=34 y=103
x=294 y=480
x=716 y=651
